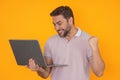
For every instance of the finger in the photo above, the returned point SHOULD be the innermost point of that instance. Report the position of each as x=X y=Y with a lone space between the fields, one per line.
x=31 y=62
x=27 y=66
x=31 y=59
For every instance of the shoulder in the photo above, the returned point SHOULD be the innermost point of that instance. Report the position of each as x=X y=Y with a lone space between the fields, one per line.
x=85 y=35
x=52 y=39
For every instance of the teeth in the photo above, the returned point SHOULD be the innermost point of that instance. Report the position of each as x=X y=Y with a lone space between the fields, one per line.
x=60 y=31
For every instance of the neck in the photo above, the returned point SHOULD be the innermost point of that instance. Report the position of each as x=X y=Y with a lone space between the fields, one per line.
x=72 y=32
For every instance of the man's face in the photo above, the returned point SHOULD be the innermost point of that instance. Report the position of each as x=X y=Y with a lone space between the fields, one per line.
x=61 y=25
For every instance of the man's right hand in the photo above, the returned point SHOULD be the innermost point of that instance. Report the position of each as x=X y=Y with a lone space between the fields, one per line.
x=34 y=67
x=43 y=72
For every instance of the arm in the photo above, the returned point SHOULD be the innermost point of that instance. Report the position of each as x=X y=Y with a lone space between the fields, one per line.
x=43 y=72
x=96 y=61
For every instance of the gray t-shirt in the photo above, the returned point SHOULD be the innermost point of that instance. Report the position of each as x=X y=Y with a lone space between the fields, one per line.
x=74 y=53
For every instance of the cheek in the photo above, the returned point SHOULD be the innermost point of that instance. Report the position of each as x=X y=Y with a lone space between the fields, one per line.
x=64 y=26
x=59 y=28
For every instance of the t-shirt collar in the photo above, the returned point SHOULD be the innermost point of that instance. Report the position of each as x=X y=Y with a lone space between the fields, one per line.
x=78 y=32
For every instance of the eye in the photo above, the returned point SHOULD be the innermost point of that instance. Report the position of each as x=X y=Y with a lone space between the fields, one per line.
x=59 y=23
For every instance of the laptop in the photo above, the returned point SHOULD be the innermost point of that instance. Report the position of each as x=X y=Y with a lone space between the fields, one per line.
x=23 y=50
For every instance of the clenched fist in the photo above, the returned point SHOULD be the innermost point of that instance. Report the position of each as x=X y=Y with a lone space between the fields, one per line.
x=93 y=41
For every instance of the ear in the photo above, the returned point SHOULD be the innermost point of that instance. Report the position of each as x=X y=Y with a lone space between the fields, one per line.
x=70 y=20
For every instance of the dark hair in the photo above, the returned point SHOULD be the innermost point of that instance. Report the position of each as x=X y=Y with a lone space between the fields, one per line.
x=65 y=11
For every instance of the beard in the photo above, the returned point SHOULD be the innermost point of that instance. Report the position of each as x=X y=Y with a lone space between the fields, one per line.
x=65 y=31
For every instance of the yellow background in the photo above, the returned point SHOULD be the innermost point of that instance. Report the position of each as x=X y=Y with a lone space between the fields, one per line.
x=29 y=19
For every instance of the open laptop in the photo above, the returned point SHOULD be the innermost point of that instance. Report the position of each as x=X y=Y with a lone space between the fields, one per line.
x=25 y=49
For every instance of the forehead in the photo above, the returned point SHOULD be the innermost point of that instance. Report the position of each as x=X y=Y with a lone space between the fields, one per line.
x=58 y=18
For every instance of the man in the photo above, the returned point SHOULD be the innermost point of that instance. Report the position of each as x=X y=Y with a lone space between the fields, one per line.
x=72 y=47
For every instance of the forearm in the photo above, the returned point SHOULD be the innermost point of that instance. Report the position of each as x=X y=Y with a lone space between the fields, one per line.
x=44 y=73
x=97 y=63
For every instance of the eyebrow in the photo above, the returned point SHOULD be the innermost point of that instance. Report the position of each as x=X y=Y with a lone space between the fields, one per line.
x=57 y=22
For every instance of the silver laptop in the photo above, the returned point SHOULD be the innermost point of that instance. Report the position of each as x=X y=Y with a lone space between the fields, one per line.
x=25 y=49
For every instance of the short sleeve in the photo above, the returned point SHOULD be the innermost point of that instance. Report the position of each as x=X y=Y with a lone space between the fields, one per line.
x=47 y=50
x=89 y=52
